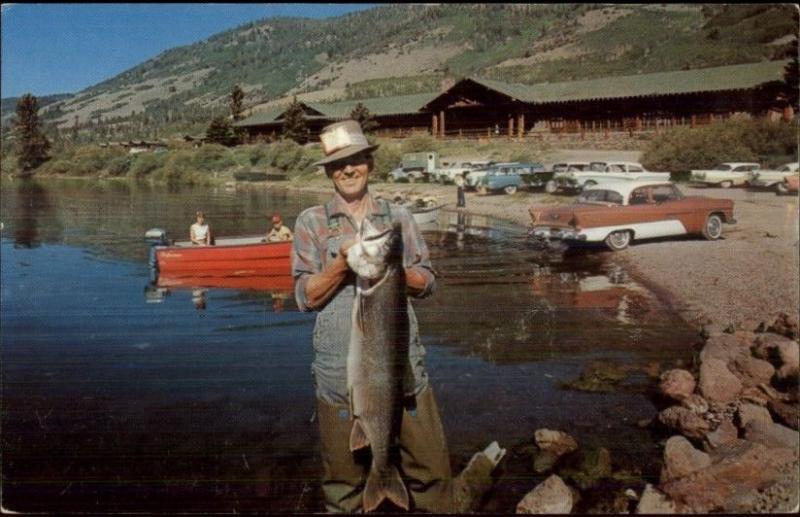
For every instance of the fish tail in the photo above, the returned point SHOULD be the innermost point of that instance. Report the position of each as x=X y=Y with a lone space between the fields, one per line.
x=386 y=484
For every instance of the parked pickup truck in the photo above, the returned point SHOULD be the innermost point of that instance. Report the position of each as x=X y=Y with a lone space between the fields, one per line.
x=511 y=177
x=725 y=175
x=604 y=172
x=765 y=178
x=448 y=173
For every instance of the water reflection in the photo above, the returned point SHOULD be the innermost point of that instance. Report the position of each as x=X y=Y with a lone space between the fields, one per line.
x=32 y=203
x=117 y=405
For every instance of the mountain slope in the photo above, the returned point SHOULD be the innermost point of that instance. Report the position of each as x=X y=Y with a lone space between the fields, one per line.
x=399 y=49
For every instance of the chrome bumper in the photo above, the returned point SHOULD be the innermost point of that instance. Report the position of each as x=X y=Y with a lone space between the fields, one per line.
x=556 y=233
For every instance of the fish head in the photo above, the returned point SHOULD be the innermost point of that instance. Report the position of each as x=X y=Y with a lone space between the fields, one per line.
x=374 y=250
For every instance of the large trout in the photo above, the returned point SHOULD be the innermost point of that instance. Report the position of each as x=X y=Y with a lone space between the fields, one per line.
x=377 y=359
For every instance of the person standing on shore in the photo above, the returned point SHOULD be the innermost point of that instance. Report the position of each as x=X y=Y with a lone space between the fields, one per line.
x=324 y=283
x=460 y=182
x=199 y=232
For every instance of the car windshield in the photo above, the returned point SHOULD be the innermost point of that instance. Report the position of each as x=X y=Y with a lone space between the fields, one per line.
x=723 y=167
x=785 y=168
x=600 y=196
x=597 y=166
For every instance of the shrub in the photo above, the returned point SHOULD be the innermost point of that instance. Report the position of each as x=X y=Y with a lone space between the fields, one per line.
x=736 y=139
x=119 y=166
x=59 y=166
x=90 y=160
x=145 y=164
x=420 y=142
x=213 y=157
x=387 y=157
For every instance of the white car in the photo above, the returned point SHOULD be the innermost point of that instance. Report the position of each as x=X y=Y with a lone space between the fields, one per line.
x=767 y=178
x=400 y=175
x=448 y=173
x=725 y=175
x=604 y=172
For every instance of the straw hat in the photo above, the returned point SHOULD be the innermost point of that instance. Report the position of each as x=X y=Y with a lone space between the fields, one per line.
x=341 y=140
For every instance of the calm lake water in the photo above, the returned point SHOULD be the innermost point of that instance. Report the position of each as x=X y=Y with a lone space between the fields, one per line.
x=116 y=397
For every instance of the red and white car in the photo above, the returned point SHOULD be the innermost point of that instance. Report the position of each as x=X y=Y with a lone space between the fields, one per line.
x=617 y=213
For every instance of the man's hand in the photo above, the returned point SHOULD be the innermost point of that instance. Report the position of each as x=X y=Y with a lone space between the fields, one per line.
x=322 y=286
x=415 y=281
x=344 y=248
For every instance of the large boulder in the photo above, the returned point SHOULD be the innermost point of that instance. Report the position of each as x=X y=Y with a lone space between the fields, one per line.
x=677 y=384
x=556 y=442
x=772 y=435
x=685 y=421
x=789 y=356
x=725 y=435
x=752 y=413
x=752 y=371
x=655 y=502
x=787 y=414
x=765 y=347
x=587 y=468
x=681 y=459
x=732 y=484
x=725 y=347
x=717 y=383
x=551 y=496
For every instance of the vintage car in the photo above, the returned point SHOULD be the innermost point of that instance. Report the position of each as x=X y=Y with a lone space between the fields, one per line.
x=474 y=176
x=401 y=175
x=789 y=185
x=767 y=178
x=604 y=172
x=617 y=213
x=448 y=173
x=510 y=178
x=725 y=175
x=559 y=169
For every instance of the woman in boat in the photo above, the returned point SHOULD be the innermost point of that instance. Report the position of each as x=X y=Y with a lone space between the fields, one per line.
x=199 y=232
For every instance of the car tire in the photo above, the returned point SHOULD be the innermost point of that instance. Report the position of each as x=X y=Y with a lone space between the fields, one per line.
x=712 y=229
x=619 y=240
x=412 y=179
x=587 y=185
x=510 y=189
x=551 y=187
x=781 y=189
x=726 y=184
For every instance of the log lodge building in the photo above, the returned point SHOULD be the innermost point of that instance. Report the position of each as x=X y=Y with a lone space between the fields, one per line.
x=483 y=108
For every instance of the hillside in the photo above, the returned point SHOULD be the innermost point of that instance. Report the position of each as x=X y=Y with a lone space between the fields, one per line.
x=400 y=49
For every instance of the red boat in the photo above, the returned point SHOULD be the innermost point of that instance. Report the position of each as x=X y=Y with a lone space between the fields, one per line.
x=280 y=284
x=229 y=256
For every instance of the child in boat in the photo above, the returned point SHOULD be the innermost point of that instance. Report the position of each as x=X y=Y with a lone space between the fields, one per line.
x=199 y=232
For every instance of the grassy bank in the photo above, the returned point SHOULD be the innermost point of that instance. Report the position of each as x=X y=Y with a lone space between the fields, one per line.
x=181 y=164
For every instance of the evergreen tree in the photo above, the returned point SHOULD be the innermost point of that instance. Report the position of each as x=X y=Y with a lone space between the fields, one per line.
x=32 y=145
x=220 y=131
x=237 y=98
x=294 y=123
x=361 y=115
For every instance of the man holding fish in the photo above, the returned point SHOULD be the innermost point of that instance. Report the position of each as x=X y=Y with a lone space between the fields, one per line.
x=355 y=261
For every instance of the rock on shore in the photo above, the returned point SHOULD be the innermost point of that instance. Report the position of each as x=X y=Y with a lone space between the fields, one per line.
x=746 y=458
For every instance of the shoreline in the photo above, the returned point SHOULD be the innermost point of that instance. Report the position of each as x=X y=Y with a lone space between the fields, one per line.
x=749 y=274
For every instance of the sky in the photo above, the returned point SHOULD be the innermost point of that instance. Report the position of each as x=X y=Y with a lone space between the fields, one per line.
x=64 y=48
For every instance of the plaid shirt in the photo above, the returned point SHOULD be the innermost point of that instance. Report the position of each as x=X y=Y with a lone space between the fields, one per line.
x=319 y=232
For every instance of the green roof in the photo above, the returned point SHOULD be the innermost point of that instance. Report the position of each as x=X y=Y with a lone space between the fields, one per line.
x=377 y=106
x=262 y=117
x=734 y=77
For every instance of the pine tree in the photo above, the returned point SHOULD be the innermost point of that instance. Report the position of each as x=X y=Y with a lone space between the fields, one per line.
x=361 y=115
x=219 y=131
x=294 y=123
x=32 y=145
x=237 y=97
